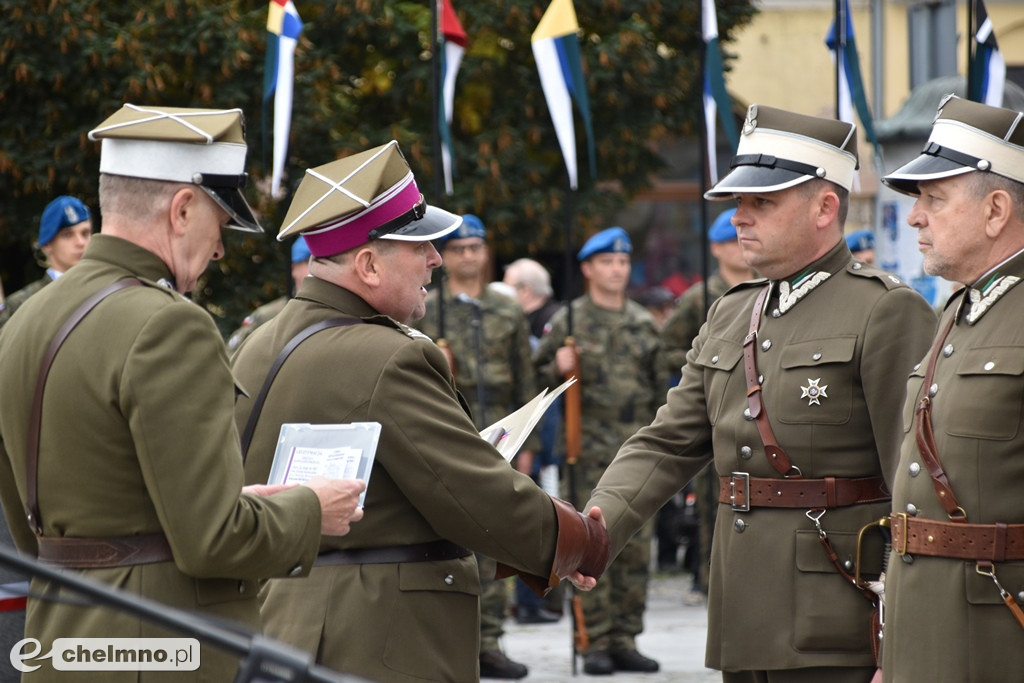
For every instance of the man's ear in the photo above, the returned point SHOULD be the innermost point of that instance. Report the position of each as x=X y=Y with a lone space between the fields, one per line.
x=828 y=208
x=182 y=209
x=998 y=210
x=367 y=265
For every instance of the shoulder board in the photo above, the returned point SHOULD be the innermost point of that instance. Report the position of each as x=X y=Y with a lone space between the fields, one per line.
x=747 y=284
x=861 y=269
x=385 y=321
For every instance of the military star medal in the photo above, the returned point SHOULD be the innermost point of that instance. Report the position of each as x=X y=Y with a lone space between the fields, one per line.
x=813 y=393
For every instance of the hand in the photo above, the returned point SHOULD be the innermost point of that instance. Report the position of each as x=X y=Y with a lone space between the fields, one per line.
x=565 y=360
x=578 y=580
x=339 y=501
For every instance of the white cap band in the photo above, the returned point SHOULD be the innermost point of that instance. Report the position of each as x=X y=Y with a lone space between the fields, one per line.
x=839 y=165
x=170 y=161
x=1004 y=158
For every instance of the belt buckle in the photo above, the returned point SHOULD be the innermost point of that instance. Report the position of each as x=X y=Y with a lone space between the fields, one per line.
x=900 y=519
x=745 y=505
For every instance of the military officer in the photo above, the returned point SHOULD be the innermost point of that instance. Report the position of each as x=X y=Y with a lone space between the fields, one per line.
x=793 y=385
x=64 y=232
x=955 y=584
x=623 y=379
x=489 y=340
x=300 y=269
x=398 y=598
x=136 y=476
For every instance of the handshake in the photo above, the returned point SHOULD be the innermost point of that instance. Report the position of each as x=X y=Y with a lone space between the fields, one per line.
x=581 y=551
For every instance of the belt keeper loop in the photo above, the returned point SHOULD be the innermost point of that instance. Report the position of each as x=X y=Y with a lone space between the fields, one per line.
x=999 y=545
x=831 y=499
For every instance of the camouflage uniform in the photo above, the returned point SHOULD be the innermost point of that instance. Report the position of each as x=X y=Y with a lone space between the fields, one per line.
x=623 y=379
x=15 y=300
x=678 y=334
x=509 y=382
x=254 y=320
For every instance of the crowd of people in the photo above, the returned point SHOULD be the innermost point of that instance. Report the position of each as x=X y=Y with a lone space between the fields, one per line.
x=850 y=458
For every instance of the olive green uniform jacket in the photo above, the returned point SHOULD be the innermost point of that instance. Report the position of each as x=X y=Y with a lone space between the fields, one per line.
x=137 y=438
x=433 y=478
x=776 y=601
x=254 y=320
x=944 y=621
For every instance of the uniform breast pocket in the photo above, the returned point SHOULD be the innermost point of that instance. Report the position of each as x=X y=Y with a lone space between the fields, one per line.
x=988 y=394
x=816 y=383
x=719 y=357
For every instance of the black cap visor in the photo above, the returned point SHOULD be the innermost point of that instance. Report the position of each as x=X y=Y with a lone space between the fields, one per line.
x=419 y=224
x=743 y=179
x=231 y=200
x=925 y=167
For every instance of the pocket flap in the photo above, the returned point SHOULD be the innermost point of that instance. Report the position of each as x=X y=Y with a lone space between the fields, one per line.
x=992 y=360
x=452 y=576
x=720 y=354
x=818 y=352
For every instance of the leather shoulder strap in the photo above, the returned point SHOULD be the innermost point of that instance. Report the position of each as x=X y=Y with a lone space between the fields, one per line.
x=925 y=436
x=257 y=407
x=34 y=425
x=772 y=450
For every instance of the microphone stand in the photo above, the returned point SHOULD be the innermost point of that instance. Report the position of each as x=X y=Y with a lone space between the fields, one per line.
x=264 y=660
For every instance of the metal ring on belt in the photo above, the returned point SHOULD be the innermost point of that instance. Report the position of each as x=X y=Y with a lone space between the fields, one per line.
x=744 y=492
x=432 y=551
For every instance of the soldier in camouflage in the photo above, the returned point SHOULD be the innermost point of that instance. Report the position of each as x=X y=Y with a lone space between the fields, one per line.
x=624 y=378
x=680 y=330
x=64 y=232
x=489 y=340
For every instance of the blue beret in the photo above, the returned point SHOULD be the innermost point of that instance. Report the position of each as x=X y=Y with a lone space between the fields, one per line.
x=722 y=229
x=471 y=226
x=860 y=240
x=300 y=252
x=608 y=241
x=62 y=212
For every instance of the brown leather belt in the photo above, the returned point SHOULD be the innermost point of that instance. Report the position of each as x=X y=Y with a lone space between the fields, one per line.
x=432 y=551
x=979 y=542
x=743 y=492
x=105 y=552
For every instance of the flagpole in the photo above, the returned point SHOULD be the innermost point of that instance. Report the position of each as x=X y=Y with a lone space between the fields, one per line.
x=435 y=68
x=705 y=170
x=971 y=31
x=840 y=24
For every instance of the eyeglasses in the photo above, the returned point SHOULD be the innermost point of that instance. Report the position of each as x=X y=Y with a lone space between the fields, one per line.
x=458 y=249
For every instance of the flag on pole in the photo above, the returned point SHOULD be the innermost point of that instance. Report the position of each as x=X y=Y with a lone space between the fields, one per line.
x=851 y=86
x=283 y=29
x=556 y=50
x=988 y=69
x=453 y=46
x=717 y=103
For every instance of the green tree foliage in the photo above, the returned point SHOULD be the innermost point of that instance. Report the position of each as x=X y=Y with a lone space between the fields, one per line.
x=364 y=76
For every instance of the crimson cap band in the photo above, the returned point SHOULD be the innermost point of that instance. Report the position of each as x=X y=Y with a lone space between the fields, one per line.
x=966 y=136
x=366 y=196
x=779 y=149
x=205 y=147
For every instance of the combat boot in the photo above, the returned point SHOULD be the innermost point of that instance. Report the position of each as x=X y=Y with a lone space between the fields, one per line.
x=598 y=663
x=494 y=664
x=631 y=660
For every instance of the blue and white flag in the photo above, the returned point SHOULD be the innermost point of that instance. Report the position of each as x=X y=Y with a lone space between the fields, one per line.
x=556 y=50
x=717 y=103
x=988 y=69
x=283 y=29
